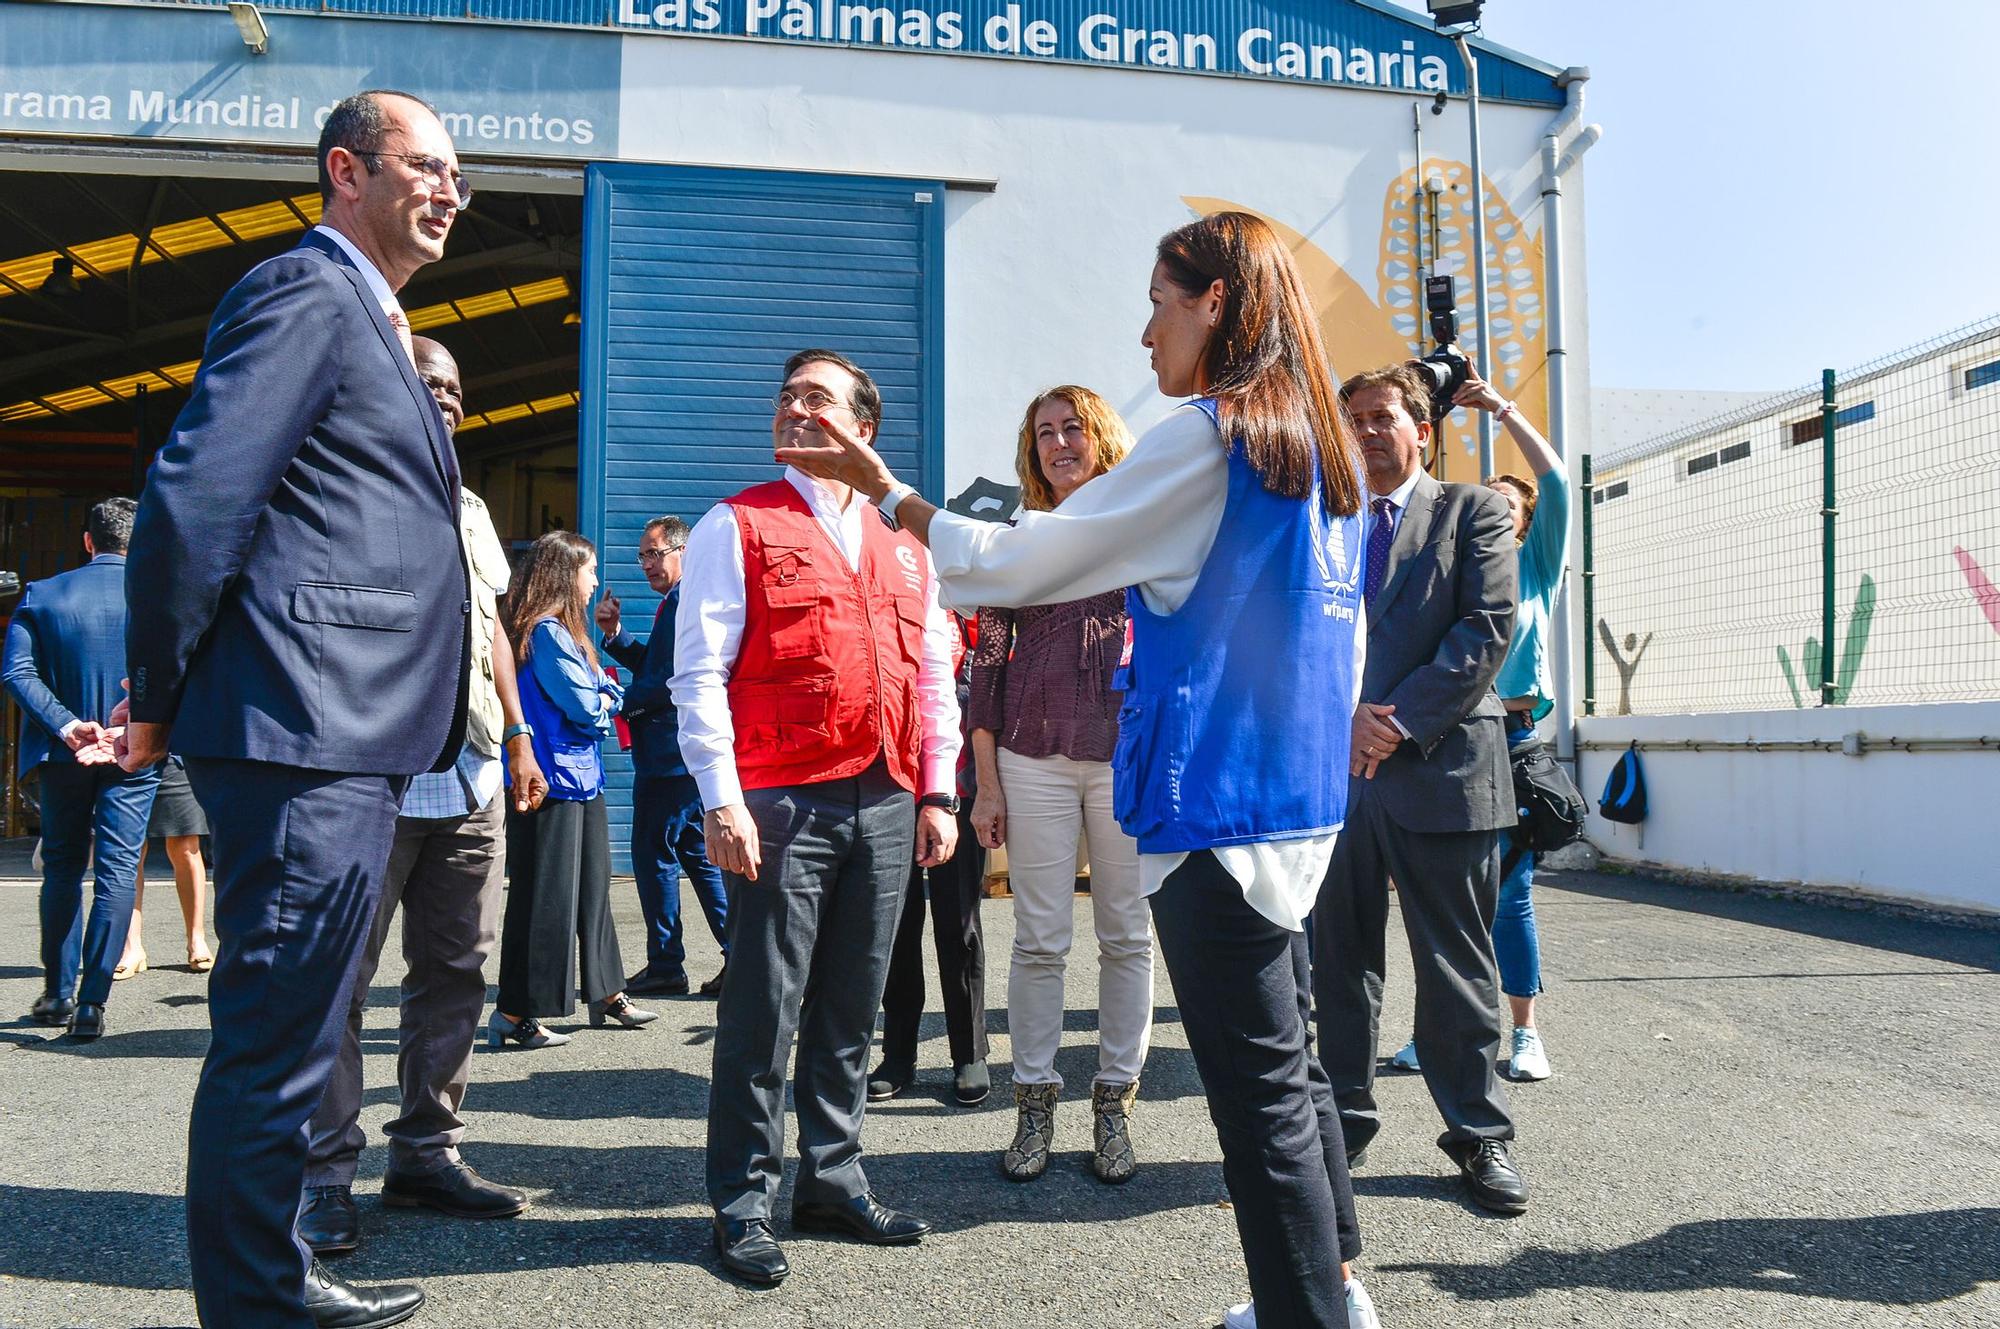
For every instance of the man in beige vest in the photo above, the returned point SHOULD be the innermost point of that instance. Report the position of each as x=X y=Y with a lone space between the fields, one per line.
x=445 y=869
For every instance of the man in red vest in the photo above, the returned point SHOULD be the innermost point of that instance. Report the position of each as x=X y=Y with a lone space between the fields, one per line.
x=820 y=723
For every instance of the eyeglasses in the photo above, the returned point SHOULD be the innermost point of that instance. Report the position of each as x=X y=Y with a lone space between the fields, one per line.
x=814 y=401
x=656 y=555
x=436 y=174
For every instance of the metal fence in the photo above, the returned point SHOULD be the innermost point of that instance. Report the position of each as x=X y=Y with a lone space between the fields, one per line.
x=1836 y=545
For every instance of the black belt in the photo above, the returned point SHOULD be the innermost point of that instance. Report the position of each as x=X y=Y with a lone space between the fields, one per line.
x=1523 y=720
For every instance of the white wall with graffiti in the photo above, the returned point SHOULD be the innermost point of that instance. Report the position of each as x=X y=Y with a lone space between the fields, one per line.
x=1046 y=271
x=1707 y=546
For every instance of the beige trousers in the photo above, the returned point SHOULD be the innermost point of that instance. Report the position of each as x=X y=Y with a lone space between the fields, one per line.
x=1052 y=803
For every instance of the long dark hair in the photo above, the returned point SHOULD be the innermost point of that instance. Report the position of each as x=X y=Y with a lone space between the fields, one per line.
x=1266 y=366
x=545 y=587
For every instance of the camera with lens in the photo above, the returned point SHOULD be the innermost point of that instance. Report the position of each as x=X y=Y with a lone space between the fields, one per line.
x=1445 y=369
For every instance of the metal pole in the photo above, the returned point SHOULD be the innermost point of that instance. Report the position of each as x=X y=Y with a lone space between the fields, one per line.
x=1827 y=413
x=1589 y=596
x=1417 y=215
x=1483 y=358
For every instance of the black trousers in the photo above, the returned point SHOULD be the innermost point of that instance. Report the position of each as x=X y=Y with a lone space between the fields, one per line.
x=1448 y=885
x=299 y=860
x=808 y=953
x=1243 y=985
x=955 y=889
x=558 y=887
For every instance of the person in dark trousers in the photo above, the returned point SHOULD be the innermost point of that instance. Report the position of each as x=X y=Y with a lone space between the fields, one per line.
x=65 y=666
x=1430 y=789
x=954 y=891
x=558 y=930
x=299 y=626
x=445 y=870
x=666 y=803
x=813 y=677
x=1236 y=523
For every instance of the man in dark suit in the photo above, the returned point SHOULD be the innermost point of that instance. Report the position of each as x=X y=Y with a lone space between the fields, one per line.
x=1430 y=791
x=666 y=803
x=299 y=621
x=64 y=665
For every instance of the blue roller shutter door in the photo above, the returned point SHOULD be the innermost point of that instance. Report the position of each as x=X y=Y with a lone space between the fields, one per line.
x=698 y=284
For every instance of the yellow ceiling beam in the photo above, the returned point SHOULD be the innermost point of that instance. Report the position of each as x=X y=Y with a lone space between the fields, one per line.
x=196 y=235
x=561 y=401
x=443 y=314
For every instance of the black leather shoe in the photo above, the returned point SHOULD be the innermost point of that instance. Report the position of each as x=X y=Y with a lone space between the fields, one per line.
x=889 y=1081
x=454 y=1189
x=713 y=987
x=87 y=1025
x=861 y=1218
x=971 y=1083
x=1491 y=1178
x=52 y=1010
x=748 y=1250
x=336 y=1304
x=1357 y=1158
x=327 y=1221
x=646 y=983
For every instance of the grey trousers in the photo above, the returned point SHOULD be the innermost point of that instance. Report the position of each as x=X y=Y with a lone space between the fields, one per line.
x=809 y=945
x=1448 y=885
x=446 y=874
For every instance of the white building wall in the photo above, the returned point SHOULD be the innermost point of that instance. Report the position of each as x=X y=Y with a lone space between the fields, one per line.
x=1905 y=824
x=1046 y=274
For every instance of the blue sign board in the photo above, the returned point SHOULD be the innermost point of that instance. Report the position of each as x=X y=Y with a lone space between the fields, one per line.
x=120 y=71
x=1358 y=43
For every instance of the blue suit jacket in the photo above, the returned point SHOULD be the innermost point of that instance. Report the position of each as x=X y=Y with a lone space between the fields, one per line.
x=298 y=590
x=649 y=706
x=66 y=655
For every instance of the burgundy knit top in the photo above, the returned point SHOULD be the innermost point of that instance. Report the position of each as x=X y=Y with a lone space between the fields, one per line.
x=1041 y=677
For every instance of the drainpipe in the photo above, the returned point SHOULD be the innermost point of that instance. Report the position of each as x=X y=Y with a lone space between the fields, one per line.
x=1485 y=358
x=1555 y=164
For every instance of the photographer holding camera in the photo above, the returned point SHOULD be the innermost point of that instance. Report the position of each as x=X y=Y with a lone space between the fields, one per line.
x=1430 y=787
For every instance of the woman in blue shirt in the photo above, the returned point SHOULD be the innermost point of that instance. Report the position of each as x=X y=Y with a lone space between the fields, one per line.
x=1525 y=684
x=559 y=856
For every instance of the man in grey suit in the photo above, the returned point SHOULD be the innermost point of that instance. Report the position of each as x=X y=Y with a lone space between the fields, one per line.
x=1430 y=790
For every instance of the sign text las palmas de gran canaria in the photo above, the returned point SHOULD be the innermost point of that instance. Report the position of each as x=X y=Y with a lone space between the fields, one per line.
x=1014 y=29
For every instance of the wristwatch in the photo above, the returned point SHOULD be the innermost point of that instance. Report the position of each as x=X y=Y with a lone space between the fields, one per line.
x=943 y=802
x=514 y=731
x=891 y=501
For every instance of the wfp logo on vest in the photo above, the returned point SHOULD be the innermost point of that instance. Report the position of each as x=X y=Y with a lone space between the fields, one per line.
x=1339 y=565
x=911 y=573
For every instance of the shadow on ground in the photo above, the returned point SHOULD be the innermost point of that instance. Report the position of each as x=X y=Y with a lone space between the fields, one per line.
x=1859 y=926
x=1892 y=1260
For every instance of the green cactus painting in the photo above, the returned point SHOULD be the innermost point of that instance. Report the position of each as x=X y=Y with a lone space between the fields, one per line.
x=1804 y=682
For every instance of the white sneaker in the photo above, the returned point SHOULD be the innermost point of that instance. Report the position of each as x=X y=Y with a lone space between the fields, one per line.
x=1360 y=1311
x=1530 y=1061
x=1406 y=1060
x=1361 y=1307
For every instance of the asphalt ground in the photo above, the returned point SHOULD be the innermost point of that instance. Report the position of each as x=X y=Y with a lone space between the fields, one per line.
x=1765 y=1112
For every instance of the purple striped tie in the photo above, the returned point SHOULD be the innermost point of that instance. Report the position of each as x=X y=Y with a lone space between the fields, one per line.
x=1379 y=535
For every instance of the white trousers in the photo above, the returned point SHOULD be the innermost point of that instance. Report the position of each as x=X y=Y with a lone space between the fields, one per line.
x=1052 y=802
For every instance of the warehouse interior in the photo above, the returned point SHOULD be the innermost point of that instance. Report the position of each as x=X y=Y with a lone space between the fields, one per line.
x=107 y=284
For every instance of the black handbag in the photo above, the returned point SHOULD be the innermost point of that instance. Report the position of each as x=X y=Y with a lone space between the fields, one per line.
x=1550 y=806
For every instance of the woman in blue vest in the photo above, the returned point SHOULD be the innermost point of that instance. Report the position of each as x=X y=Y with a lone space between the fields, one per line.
x=559 y=856
x=1236 y=523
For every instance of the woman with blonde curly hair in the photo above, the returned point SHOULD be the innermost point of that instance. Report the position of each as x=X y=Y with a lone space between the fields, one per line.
x=1044 y=720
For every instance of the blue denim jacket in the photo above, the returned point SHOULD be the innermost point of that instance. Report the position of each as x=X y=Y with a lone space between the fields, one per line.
x=569 y=702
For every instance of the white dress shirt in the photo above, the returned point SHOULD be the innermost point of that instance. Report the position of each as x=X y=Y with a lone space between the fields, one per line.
x=1150 y=522
x=708 y=632
x=378 y=285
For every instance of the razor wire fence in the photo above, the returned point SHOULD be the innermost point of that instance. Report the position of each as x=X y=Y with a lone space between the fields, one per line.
x=1834 y=545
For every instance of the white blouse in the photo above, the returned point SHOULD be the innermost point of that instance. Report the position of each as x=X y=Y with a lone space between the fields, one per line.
x=1149 y=522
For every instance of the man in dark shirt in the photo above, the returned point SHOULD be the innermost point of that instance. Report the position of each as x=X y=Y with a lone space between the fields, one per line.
x=666 y=805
